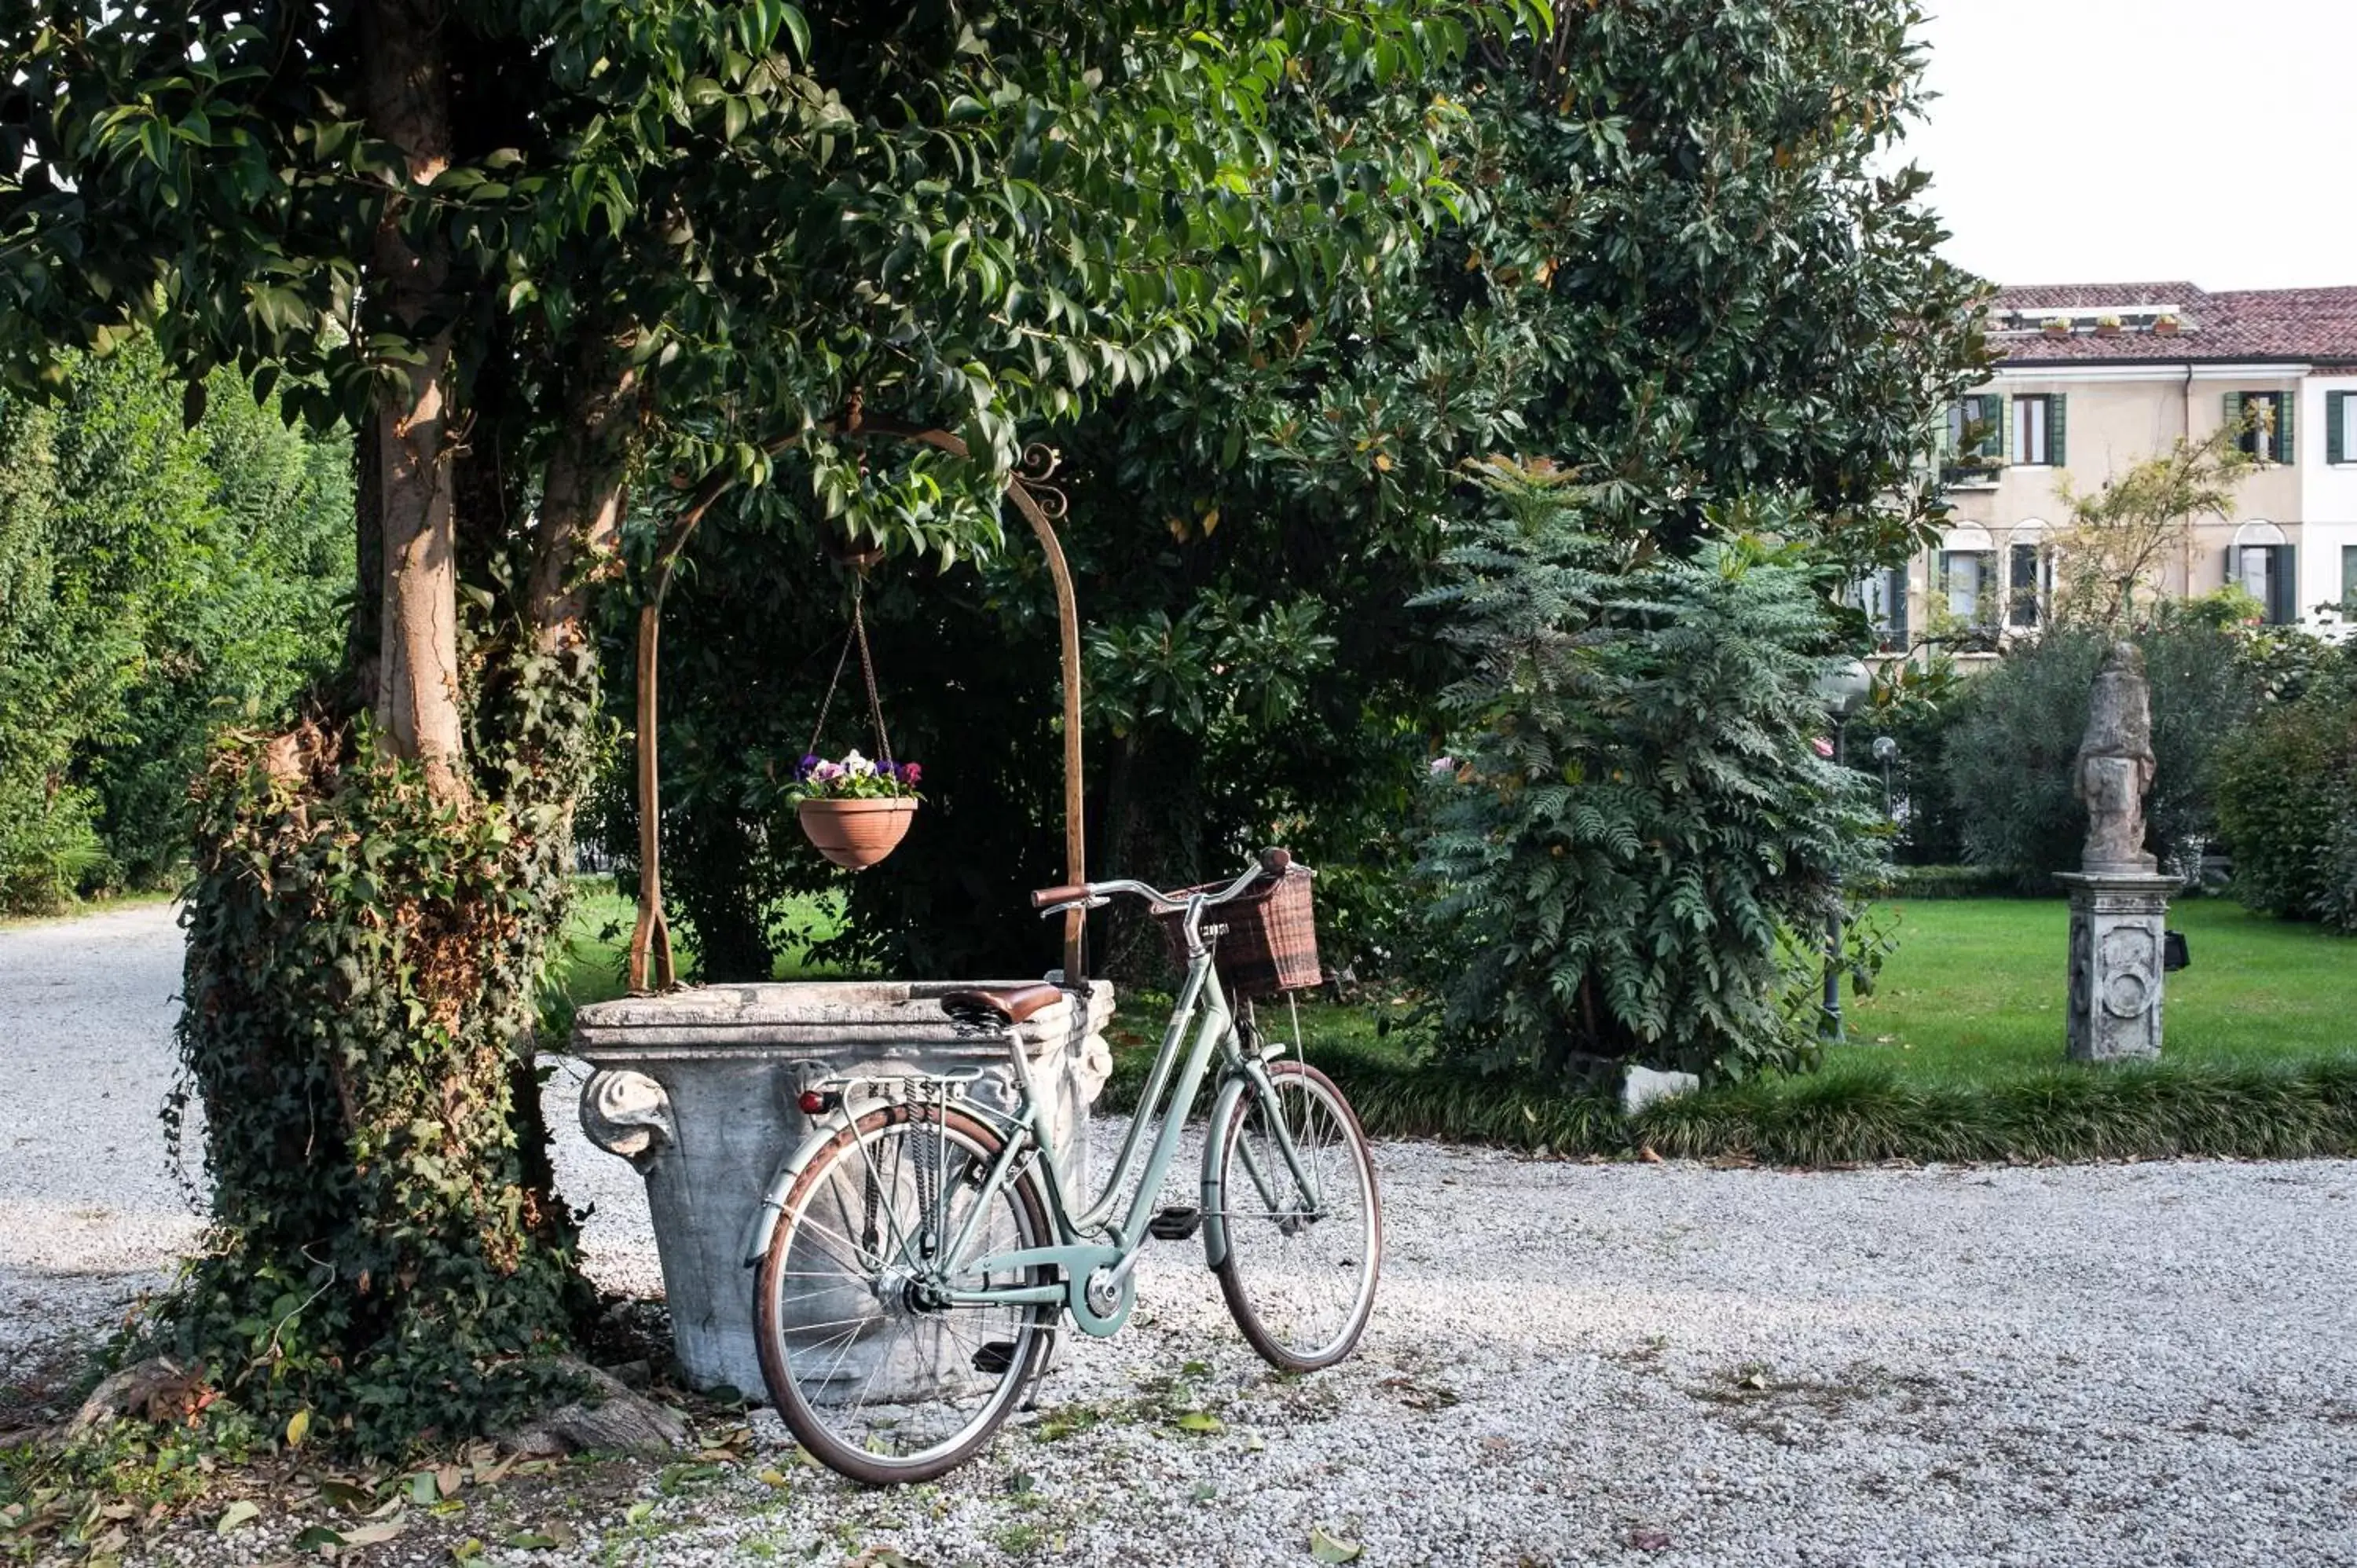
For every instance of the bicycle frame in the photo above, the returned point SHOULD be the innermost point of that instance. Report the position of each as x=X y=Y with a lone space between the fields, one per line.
x=1203 y=1006
x=1093 y=1247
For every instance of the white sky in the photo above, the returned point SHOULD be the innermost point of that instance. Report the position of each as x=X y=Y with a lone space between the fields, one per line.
x=2118 y=141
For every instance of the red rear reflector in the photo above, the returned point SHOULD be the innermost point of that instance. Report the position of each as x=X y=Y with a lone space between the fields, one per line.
x=811 y=1101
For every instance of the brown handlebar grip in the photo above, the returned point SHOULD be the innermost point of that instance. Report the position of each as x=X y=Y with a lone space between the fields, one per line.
x=1275 y=861
x=1047 y=897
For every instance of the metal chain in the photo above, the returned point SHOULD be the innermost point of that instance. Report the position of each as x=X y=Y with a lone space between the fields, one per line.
x=857 y=635
x=867 y=669
x=929 y=1185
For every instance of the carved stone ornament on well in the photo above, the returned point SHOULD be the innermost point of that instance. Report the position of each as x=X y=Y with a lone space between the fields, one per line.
x=2119 y=901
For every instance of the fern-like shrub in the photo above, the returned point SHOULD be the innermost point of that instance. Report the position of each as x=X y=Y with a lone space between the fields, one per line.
x=1638 y=842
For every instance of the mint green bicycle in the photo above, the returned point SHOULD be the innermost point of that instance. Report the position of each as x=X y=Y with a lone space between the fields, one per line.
x=916 y=1258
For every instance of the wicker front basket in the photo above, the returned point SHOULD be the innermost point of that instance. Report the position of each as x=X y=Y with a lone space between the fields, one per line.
x=1270 y=943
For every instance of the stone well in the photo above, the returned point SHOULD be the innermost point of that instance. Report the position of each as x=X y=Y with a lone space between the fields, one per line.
x=697 y=1089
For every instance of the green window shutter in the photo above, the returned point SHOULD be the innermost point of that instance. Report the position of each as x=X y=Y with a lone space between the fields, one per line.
x=2001 y=440
x=2284 y=404
x=2283 y=584
x=2336 y=427
x=2055 y=453
x=2234 y=415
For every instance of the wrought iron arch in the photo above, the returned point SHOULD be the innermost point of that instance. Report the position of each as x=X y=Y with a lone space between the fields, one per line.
x=1042 y=504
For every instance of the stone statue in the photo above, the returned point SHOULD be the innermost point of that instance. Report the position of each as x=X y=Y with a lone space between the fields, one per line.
x=2116 y=766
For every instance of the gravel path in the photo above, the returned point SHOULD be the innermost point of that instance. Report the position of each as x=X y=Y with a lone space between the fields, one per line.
x=2120 y=1365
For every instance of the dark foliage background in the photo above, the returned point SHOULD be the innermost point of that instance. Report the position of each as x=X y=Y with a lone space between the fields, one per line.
x=1679 y=274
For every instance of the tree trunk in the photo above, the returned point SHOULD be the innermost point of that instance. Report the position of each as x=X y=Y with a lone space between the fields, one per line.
x=578 y=540
x=406 y=94
x=367 y=938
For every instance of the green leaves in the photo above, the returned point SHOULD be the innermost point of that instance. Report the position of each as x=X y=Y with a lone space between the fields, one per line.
x=1637 y=843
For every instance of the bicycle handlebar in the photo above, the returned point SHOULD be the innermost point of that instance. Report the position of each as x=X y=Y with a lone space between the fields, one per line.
x=1049 y=900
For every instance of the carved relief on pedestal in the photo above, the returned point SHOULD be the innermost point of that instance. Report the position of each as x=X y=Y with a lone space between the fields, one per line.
x=2130 y=966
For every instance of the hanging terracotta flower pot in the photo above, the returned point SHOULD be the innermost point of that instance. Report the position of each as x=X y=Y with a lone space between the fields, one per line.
x=855 y=834
x=855 y=812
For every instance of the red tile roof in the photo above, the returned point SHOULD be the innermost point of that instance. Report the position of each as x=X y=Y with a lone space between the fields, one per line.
x=2299 y=324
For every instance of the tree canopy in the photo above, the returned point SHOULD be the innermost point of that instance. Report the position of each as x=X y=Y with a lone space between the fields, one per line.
x=1684 y=267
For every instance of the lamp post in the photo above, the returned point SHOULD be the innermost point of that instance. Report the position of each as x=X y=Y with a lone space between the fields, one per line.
x=1886 y=752
x=1842 y=690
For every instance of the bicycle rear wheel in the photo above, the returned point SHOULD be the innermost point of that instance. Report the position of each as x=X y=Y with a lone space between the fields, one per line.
x=879 y=1382
x=1302 y=1260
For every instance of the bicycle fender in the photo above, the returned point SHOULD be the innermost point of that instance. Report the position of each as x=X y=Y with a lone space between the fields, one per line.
x=1215 y=1208
x=764 y=1222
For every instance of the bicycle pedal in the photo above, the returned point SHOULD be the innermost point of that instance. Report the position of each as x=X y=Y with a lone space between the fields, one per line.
x=996 y=1357
x=1177 y=1224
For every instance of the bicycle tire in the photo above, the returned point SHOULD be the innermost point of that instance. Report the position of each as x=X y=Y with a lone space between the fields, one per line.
x=1259 y=1261
x=856 y=1172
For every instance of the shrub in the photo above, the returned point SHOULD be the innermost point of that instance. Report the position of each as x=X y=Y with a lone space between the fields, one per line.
x=1638 y=840
x=2014 y=744
x=1946 y=882
x=2287 y=802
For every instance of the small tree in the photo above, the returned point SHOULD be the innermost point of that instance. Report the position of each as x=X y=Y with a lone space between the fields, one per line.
x=2121 y=533
x=1639 y=842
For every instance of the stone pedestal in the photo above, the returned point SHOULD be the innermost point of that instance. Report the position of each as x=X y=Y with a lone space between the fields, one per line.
x=2118 y=924
x=697 y=1089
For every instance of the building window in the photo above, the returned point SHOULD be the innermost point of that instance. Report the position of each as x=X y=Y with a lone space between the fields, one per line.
x=1883 y=596
x=2349 y=579
x=1975 y=437
x=2029 y=585
x=2265 y=419
x=2038 y=429
x=2339 y=427
x=1968 y=579
x=2269 y=573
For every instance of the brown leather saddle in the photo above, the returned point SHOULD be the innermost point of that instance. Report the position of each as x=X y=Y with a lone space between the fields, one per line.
x=1005 y=1005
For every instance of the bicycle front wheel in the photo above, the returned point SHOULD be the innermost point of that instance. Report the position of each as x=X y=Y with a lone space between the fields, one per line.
x=1303 y=1250
x=880 y=1380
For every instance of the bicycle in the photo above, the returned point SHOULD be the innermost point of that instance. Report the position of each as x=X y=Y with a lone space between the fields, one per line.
x=916 y=1255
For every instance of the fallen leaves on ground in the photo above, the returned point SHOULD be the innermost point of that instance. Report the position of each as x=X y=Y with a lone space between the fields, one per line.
x=1327 y=1548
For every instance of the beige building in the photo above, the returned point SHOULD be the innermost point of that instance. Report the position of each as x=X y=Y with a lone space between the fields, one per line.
x=2098 y=377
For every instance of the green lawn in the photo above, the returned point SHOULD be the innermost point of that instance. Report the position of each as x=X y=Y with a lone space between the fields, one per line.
x=1957 y=1056
x=595 y=965
x=1975 y=991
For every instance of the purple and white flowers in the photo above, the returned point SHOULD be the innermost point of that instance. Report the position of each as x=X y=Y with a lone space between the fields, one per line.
x=855 y=778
